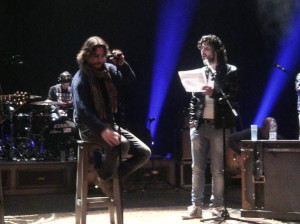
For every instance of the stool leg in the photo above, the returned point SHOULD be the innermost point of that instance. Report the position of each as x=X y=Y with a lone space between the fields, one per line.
x=117 y=196
x=78 y=201
x=112 y=210
x=84 y=192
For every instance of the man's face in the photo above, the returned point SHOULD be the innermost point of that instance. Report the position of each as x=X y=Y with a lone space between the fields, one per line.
x=207 y=52
x=98 y=58
x=65 y=85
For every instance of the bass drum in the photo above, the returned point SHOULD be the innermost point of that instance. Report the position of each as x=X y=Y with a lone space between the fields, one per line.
x=61 y=135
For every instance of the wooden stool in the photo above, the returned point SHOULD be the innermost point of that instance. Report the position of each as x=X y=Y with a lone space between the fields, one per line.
x=82 y=201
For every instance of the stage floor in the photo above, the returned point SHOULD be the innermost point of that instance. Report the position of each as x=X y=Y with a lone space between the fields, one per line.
x=149 y=207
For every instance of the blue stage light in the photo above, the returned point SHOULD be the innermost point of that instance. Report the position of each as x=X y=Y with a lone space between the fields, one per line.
x=173 y=22
x=289 y=52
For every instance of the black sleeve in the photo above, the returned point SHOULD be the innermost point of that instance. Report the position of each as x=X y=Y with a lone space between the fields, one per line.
x=192 y=110
x=234 y=140
x=121 y=74
x=230 y=86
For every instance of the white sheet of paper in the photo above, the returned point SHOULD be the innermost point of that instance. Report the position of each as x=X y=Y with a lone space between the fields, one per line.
x=193 y=80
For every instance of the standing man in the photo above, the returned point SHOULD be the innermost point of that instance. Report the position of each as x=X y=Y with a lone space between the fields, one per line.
x=206 y=112
x=95 y=98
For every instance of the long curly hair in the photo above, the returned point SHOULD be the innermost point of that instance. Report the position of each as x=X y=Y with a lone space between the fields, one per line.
x=89 y=47
x=217 y=45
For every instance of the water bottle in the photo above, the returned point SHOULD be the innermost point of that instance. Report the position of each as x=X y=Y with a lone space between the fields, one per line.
x=273 y=130
x=71 y=154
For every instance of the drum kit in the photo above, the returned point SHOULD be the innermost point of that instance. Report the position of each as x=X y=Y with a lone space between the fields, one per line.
x=31 y=130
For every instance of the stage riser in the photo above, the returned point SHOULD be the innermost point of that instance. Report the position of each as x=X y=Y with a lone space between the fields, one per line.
x=38 y=178
x=59 y=177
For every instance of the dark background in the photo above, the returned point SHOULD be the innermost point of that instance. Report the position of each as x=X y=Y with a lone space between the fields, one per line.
x=48 y=34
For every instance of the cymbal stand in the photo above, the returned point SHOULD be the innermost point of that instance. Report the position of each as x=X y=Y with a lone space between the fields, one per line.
x=30 y=151
x=3 y=151
x=43 y=153
x=14 y=151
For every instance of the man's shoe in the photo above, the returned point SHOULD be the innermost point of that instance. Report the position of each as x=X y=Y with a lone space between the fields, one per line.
x=217 y=211
x=106 y=186
x=193 y=212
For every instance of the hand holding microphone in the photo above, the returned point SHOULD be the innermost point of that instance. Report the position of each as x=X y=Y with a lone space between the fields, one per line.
x=209 y=90
x=117 y=57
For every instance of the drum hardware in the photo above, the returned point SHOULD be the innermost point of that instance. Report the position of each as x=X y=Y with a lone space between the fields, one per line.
x=47 y=103
x=14 y=153
x=16 y=145
x=26 y=132
x=34 y=97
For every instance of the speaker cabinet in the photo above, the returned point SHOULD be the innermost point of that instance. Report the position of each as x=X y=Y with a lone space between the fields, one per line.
x=186 y=174
x=157 y=173
x=185 y=144
x=277 y=196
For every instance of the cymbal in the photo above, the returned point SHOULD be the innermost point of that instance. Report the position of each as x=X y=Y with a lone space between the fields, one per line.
x=34 y=97
x=47 y=103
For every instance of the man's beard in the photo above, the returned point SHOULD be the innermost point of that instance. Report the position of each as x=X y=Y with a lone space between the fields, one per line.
x=97 y=65
x=211 y=59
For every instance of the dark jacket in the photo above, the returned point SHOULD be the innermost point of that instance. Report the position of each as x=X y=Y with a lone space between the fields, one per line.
x=228 y=80
x=85 y=111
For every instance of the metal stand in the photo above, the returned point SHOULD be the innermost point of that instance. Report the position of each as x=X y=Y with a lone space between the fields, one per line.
x=120 y=119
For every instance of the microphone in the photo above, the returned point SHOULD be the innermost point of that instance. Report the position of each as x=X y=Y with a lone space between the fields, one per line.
x=206 y=63
x=281 y=68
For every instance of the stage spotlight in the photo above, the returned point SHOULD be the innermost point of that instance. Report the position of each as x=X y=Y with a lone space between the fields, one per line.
x=174 y=18
x=289 y=52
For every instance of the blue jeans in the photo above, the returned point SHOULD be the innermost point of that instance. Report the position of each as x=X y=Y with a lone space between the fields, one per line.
x=207 y=141
x=129 y=143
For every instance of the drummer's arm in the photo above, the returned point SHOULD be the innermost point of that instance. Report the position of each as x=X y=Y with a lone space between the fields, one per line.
x=52 y=96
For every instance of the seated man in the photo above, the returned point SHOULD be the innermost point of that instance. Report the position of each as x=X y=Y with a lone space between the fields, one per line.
x=62 y=93
x=62 y=130
x=95 y=99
